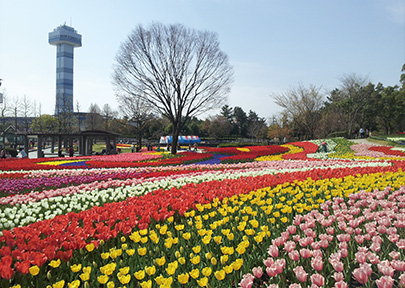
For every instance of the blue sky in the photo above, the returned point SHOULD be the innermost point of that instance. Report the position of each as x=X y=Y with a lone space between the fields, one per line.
x=272 y=45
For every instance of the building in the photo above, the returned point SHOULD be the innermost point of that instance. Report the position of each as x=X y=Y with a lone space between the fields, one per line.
x=65 y=39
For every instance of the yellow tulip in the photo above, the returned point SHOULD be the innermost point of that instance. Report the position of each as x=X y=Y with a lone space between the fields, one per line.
x=187 y=235
x=150 y=270
x=195 y=260
x=140 y=274
x=183 y=278
x=130 y=252
x=124 y=270
x=203 y=282
x=220 y=275
x=161 y=261
x=142 y=251
x=102 y=279
x=59 y=284
x=196 y=249
x=54 y=263
x=105 y=255
x=34 y=270
x=195 y=273
x=76 y=267
x=124 y=279
x=146 y=284
x=111 y=284
x=218 y=239
x=207 y=271
x=74 y=284
x=90 y=247
x=84 y=276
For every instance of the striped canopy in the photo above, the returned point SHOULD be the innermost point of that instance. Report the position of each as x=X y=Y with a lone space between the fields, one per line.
x=181 y=139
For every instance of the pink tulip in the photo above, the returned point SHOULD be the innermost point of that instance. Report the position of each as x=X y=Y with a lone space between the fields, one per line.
x=402 y=280
x=247 y=281
x=360 y=275
x=386 y=269
x=343 y=253
x=337 y=266
x=394 y=238
x=324 y=243
x=273 y=251
x=317 y=263
x=294 y=255
x=292 y=229
x=401 y=244
x=268 y=262
x=271 y=271
x=316 y=245
x=341 y=284
x=289 y=246
x=394 y=255
x=330 y=230
x=398 y=265
x=373 y=258
x=257 y=272
x=317 y=279
x=305 y=253
x=295 y=285
x=297 y=219
x=359 y=239
x=300 y=273
x=376 y=247
x=285 y=236
x=385 y=282
x=278 y=241
x=381 y=229
x=338 y=276
x=317 y=253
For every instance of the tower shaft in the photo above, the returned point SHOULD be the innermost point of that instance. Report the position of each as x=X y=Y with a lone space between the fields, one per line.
x=65 y=39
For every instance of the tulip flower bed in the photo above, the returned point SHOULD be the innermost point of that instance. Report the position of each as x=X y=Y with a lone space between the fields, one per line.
x=203 y=225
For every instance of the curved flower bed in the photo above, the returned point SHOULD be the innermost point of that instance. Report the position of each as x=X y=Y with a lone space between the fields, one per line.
x=194 y=225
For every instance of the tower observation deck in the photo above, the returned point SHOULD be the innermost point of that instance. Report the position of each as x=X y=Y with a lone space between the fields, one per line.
x=65 y=39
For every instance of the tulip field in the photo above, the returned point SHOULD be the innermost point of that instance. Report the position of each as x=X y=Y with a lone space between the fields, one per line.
x=257 y=216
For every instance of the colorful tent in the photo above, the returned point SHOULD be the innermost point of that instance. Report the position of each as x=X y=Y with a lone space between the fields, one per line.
x=181 y=139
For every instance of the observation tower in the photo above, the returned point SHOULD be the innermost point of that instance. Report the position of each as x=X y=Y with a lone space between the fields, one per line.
x=65 y=39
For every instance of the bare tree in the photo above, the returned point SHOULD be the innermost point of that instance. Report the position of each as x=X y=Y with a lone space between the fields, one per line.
x=79 y=120
x=180 y=72
x=94 y=119
x=5 y=109
x=350 y=99
x=138 y=113
x=65 y=115
x=26 y=109
x=220 y=127
x=302 y=106
x=108 y=114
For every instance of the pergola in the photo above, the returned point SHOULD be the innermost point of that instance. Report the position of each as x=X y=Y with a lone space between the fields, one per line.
x=85 y=139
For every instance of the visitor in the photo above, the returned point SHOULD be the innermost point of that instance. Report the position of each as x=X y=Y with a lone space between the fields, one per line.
x=195 y=147
x=71 y=151
x=361 y=133
x=23 y=154
x=132 y=148
x=3 y=154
